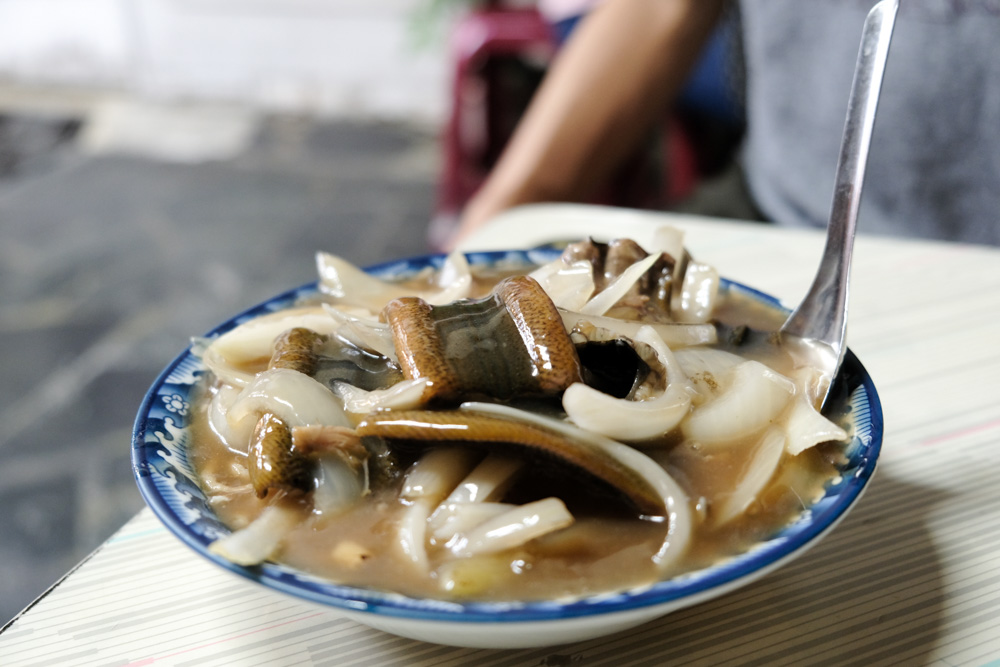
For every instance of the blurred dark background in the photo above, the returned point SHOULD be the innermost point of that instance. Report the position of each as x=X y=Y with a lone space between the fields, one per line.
x=166 y=164
x=110 y=263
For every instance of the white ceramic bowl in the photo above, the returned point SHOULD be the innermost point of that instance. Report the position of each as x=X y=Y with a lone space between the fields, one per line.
x=167 y=481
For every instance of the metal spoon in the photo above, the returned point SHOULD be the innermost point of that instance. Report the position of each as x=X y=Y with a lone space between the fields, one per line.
x=815 y=332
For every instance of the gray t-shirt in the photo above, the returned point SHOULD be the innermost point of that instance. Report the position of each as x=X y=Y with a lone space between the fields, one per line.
x=934 y=165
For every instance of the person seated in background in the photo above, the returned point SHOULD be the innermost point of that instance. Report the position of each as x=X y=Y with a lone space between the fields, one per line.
x=934 y=163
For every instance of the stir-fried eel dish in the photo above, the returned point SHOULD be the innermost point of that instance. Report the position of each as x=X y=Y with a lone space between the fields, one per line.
x=601 y=422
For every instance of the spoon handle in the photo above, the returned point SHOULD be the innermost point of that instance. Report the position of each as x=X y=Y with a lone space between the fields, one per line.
x=822 y=315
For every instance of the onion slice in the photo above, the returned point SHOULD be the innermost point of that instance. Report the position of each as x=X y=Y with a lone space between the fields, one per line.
x=403 y=395
x=675 y=500
x=430 y=480
x=261 y=539
x=450 y=519
x=487 y=481
x=696 y=299
x=471 y=502
x=253 y=341
x=707 y=368
x=755 y=397
x=437 y=473
x=513 y=528
x=806 y=427
x=364 y=333
x=674 y=335
x=631 y=420
x=352 y=286
x=569 y=285
x=236 y=436
x=763 y=463
x=454 y=281
x=293 y=397
x=619 y=287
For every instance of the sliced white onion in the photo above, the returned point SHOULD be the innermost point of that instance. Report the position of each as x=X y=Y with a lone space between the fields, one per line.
x=612 y=293
x=236 y=436
x=293 y=397
x=809 y=376
x=454 y=281
x=403 y=395
x=513 y=528
x=695 y=360
x=709 y=369
x=755 y=397
x=350 y=285
x=622 y=419
x=338 y=486
x=437 y=473
x=667 y=239
x=764 y=461
x=487 y=481
x=368 y=334
x=261 y=539
x=674 y=371
x=675 y=500
x=450 y=519
x=430 y=480
x=412 y=534
x=674 y=335
x=225 y=371
x=629 y=420
x=696 y=300
x=806 y=427
x=470 y=577
x=569 y=286
x=254 y=340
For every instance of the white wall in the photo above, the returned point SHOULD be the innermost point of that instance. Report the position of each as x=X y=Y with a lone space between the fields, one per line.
x=64 y=41
x=355 y=58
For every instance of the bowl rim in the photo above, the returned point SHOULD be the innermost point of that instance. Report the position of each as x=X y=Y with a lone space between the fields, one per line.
x=153 y=478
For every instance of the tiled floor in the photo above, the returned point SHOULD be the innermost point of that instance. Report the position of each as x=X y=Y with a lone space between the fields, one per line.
x=108 y=265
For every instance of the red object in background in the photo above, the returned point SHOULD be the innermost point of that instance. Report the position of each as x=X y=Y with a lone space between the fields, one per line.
x=489 y=48
x=499 y=56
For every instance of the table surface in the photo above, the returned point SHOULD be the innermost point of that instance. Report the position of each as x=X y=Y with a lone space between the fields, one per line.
x=910 y=576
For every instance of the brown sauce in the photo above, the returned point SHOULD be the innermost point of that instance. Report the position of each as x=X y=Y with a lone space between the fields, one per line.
x=603 y=550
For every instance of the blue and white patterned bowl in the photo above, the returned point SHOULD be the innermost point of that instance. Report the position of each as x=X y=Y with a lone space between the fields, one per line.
x=167 y=480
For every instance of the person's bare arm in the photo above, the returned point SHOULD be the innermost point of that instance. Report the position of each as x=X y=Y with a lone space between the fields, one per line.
x=613 y=79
